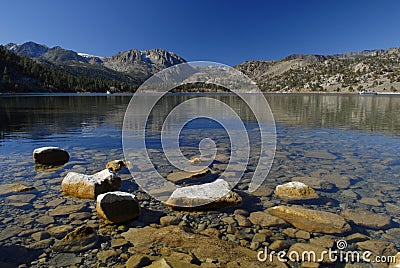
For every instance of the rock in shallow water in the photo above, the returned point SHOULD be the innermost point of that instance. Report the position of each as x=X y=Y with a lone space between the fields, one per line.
x=315 y=183
x=367 y=219
x=204 y=196
x=116 y=165
x=118 y=206
x=266 y=220
x=81 y=239
x=90 y=186
x=14 y=188
x=295 y=191
x=175 y=238
x=50 y=156
x=311 y=220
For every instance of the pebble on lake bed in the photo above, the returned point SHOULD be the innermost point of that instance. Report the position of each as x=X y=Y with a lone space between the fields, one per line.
x=90 y=186
x=118 y=207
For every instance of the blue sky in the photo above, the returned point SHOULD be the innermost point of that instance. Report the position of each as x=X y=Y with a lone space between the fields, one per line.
x=224 y=31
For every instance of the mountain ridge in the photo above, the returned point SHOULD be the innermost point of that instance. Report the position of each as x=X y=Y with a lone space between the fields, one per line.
x=371 y=70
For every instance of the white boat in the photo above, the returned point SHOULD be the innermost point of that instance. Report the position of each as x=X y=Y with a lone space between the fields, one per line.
x=108 y=92
x=363 y=92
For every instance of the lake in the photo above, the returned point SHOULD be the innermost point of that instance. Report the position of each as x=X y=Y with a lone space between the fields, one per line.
x=350 y=141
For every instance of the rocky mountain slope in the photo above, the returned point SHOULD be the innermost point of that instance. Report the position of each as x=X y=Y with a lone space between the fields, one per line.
x=133 y=66
x=370 y=70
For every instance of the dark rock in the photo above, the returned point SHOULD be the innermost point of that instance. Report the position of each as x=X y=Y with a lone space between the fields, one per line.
x=50 y=156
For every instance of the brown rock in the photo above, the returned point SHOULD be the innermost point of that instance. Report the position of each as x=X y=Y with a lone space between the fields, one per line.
x=299 y=248
x=320 y=154
x=81 y=239
x=14 y=188
x=259 y=237
x=371 y=201
x=40 y=236
x=117 y=206
x=278 y=245
x=180 y=176
x=59 y=231
x=242 y=212
x=379 y=247
x=263 y=190
x=324 y=241
x=203 y=247
x=266 y=220
x=212 y=232
x=311 y=220
x=294 y=233
x=357 y=237
x=367 y=219
x=90 y=186
x=169 y=220
x=138 y=261
x=242 y=221
x=341 y=182
x=295 y=191
x=316 y=183
x=396 y=263
x=104 y=255
x=66 y=210
x=115 y=165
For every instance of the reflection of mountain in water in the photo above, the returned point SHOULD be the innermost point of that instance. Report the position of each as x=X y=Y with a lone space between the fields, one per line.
x=375 y=113
x=38 y=117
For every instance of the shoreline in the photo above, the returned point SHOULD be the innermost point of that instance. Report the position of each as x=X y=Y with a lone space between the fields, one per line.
x=119 y=94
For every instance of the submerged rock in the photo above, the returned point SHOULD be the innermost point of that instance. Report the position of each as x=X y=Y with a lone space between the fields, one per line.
x=311 y=220
x=50 y=156
x=90 y=186
x=81 y=239
x=299 y=249
x=379 y=247
x=180 y=176
x=266 y=220
x=367 y=219
x=316 y=183
x=295 y=191
x=204 y=196
x=118 y=206
x=172 y=239
x=14 y=188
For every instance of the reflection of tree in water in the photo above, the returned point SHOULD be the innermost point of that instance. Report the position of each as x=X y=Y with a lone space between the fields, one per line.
x=42 y=116
x=377 y=113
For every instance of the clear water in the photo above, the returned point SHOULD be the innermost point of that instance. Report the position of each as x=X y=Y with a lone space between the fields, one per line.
x=362 y=132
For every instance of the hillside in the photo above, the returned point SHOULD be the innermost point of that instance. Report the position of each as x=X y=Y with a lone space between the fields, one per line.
x=131 y=66
x=23 y=74
x=40 y=68
x=371 y=70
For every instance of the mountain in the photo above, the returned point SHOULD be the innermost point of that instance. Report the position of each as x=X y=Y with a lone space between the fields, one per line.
x=133 y=66
x=24 y=74
x=371 y=70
